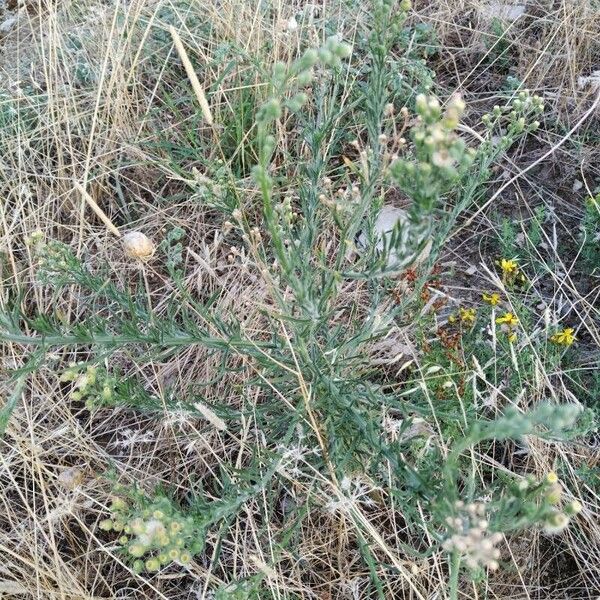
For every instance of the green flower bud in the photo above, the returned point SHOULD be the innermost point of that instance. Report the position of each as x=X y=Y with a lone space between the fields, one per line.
x=279 y=73
x=137 y=550
x=271 y=110
x=305 y=77
x=106 y=525
x=297 y=101
x=152 y=564
x=520 y=125
x=309 y=59
x=573 y=508
x=342 y=50
x=421 y=104
x=118 y=504
x=425 y=169
x=325 y=55
x=138 y=566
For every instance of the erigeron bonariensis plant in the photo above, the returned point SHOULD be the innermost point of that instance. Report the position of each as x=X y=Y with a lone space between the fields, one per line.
x=316 y=355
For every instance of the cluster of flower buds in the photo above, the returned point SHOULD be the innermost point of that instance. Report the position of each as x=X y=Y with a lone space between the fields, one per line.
x=55 y=259
x=439 y=155
x=392 y=14
x=471 y=538
x=154 y=536
x=544 y=501
x=342 y=201
x=555 y=520
x=515 y=118
x=285 y=211
x=300 y=74
x=90 y=384
x=333 y=51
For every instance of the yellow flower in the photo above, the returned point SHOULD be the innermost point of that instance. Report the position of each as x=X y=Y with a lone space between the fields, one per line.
x=451 y=319
x=564 y=337
x=508 y=319
x=552 y=477
x=512 y=337
x=467 y=315
x=509 y=266
x=493 y=299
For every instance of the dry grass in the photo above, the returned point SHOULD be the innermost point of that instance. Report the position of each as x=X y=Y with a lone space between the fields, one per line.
x=97 y=84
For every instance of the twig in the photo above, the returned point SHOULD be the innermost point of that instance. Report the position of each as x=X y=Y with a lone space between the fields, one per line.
x=101 y=214
x=189 y=69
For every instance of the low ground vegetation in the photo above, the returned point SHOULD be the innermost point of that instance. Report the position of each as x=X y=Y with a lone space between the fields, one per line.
x=299 y=300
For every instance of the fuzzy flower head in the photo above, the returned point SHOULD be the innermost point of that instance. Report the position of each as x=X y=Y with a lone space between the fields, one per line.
x=469 y=536
x=565 y=337
x=556 y=522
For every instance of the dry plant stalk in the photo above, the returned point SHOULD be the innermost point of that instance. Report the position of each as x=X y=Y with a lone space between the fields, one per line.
x=101 y=214
x=189 y=69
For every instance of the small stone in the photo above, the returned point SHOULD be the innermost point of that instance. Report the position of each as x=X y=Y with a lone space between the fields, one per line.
x=138 y=245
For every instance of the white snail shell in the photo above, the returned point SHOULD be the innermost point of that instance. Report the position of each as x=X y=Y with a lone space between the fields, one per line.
x=138 y=245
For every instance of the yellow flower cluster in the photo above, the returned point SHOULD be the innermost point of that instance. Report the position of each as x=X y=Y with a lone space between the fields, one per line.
x=492 y=299
x=507 y=319
x=509 y=322
x=467 y=315
x=90 y=384
x=509 y=266
x=510 y=270
x=565 y=337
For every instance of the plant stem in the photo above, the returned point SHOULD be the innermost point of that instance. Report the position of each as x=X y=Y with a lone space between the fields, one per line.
x=454 y=572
